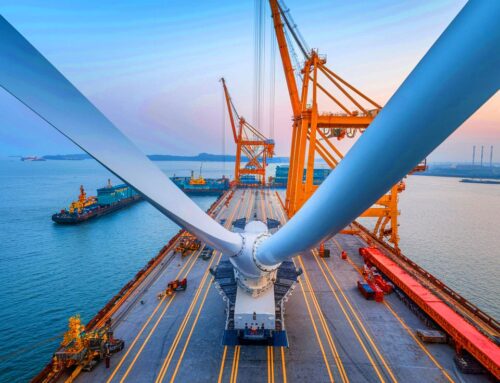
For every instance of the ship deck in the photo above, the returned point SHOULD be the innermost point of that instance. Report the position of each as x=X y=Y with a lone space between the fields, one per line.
x=334 y=333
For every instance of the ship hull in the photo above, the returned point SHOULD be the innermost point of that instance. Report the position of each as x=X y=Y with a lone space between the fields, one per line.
x=73 y=219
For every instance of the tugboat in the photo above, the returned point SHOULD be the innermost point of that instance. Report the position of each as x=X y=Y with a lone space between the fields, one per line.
x=109 y=199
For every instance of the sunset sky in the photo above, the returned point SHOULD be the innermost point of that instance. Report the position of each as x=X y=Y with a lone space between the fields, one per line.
x=153 y=67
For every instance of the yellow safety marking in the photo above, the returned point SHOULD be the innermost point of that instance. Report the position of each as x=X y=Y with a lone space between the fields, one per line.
x=151 y=332
x=408 y=330
x=363 y=328
x=316 y=332
x=422 y=346
x=224 y=353
x=271 y=357
x=163 y=312
x=192 y=259
x=238 y=349
x=234 y=369
x=180 y=331
x=270 y=364
x=326 y=329
x=283 y=363
x=311 y=317
x=188 y=339
x=221 y=371
x=356 y=333
x=190 y=262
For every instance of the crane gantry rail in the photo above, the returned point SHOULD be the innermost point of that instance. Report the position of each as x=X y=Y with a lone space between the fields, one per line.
x=250 y=142
x=313 y=130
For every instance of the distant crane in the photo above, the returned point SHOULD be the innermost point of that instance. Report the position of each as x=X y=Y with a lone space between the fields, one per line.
x=250 y=142
x=313 y=130
x=83 y=201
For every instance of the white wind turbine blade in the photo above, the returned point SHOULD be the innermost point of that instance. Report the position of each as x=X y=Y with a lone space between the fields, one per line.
x=457 y=75
x=33 y=80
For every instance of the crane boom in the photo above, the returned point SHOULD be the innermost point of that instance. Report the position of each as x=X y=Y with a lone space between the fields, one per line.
x=230 y=108
x=285 y=59
x=249 y=141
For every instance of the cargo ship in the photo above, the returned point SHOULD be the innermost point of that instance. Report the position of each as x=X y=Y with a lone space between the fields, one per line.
x=202 y=186
x=109 y=199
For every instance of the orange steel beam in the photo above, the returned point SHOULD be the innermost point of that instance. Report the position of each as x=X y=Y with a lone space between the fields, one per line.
x=250 y=141
x=352 y=99
x=333 y=121
x=335 y=100
x=352 y=88
x=285 y=58
x=229 y=108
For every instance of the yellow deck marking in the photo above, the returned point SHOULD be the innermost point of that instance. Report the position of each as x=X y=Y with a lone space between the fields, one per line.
x=408 y=330
x=363 y=328
x=221 y=371
x=268 y=365
x=224 y=353
x=180 y=331
x=316 y=332
x=356 y=333
x=283 y=363
x=326 y=329
x=311 y=317
x=271 y=363
x=234 y=369
x=419 y=342
x=190 y=261
x=151 y=332
x=202 y=304
x=282 y=349
x=122 y=360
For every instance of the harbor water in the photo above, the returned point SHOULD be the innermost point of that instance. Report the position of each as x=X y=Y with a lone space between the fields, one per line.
x=49 y=272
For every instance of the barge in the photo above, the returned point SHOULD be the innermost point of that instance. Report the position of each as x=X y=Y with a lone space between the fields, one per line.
x=109 y=199
x=202 y=186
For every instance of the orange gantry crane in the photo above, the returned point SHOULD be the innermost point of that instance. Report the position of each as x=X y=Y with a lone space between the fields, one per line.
x=313 y=131
x=250 y=143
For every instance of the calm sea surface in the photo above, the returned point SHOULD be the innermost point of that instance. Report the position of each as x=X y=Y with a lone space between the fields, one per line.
x=50 y=272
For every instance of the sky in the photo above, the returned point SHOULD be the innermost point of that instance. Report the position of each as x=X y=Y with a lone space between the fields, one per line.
x=153 y=67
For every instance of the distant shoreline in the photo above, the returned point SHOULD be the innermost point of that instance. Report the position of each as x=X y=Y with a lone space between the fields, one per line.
x=463 y=171
x=438 y=169
x=204 y=157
